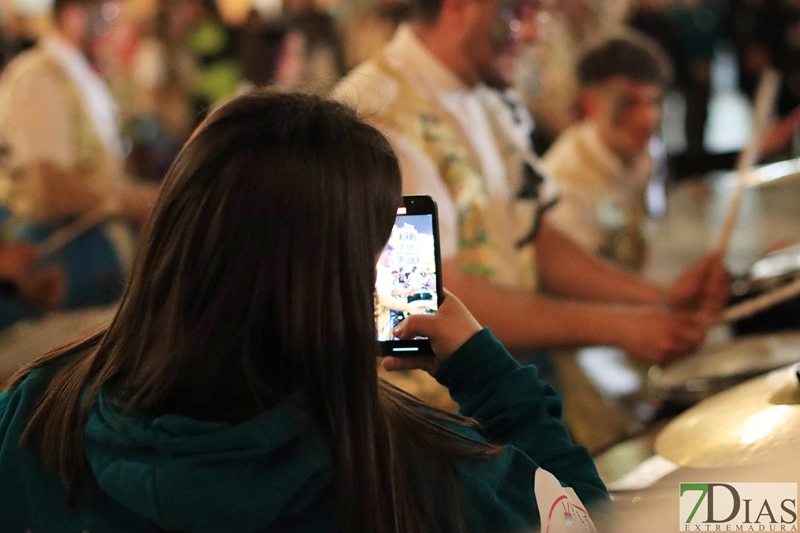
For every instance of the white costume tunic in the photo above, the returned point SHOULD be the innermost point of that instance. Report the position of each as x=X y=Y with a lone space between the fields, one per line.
x=55 y=110
x=602 y=203
x=488 y=126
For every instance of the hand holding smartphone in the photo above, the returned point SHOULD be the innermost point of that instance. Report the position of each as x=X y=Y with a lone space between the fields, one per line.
x=408 y=275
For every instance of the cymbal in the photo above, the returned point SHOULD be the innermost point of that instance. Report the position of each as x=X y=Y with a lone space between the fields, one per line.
x=742 y=358
x=753 y=423
x=777 y=264
x=766 y=174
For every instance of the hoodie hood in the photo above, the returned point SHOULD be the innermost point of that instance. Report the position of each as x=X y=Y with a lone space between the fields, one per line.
x=210 y=477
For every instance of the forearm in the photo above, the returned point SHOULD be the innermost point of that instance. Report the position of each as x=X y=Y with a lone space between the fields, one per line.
x=515 y=407
x=57 y=193
x=524 y=319
x=51 y=192
x=567 y=270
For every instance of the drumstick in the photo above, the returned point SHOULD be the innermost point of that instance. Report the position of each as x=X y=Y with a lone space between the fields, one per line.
x=761 y=303
x=64 y=236
x=764 y=103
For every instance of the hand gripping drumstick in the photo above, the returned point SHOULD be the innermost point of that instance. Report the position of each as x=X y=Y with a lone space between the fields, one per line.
x=761 y=303
x=766 y=96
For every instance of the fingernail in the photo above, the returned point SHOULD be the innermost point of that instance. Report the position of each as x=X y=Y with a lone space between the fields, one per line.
x=398 y=330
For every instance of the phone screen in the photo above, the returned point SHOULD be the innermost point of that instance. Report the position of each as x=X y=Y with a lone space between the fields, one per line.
x=406 y=275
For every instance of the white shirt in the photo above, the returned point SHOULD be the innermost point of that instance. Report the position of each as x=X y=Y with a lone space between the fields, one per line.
x=599 y=191
x=37 y=117
x=493 y=144
x=37 y=123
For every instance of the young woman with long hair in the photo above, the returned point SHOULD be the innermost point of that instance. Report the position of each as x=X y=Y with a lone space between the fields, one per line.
x=236 y=389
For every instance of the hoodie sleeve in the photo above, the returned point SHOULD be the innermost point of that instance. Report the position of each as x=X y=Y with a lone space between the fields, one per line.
x=518 y=410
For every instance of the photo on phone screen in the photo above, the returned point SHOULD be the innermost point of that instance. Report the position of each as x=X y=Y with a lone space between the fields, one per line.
x=407 y=273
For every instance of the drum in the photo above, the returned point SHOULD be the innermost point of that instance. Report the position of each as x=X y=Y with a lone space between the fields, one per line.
x=768 y=273
x=23 y=342
x=712 y=370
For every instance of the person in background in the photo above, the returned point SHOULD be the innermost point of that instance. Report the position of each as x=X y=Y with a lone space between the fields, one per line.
x=236 y=389
x=602 y=164
x=698 y=31
x=163 y=74
x=440 y=90
x=260 y=48
x=322 y=44
x=214 y=46
x=368 y=30
x=57 y=119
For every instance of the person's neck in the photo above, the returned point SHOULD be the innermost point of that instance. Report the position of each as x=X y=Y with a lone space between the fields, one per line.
x=446 y=52
x=626 y=157
x=71 y=39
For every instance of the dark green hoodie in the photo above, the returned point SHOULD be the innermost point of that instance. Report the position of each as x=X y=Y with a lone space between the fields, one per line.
x=272 y=473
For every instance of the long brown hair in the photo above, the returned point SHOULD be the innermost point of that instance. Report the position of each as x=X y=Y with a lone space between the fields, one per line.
x=255 y=276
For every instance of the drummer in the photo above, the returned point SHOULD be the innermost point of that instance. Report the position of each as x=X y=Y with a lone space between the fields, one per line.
x=58 y=120
x=602 y=164
x=439 y=89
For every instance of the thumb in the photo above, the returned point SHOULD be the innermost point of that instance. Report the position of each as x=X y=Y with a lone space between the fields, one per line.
x=694 y=320
x=416 y=326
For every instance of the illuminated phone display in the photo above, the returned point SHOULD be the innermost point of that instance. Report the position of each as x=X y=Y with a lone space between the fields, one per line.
x=407 y=273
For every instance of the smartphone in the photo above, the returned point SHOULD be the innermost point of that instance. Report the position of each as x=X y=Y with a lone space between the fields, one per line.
x=409 y=275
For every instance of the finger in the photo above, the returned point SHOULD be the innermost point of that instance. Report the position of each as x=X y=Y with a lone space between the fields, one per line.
x=664 y=355
x=688 y=338
x=696 y=319
x=717 y=292
x=721 y=280
x=422 y=325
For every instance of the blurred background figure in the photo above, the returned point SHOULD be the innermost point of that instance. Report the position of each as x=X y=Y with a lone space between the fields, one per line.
x=261 y=48
x=603 y=164
x=548 y=79
x=65 y=160
x=294 y=46
x=322 y=44
x=698 y=29
x=370 y=28
x=213 y=43
x=164 y=73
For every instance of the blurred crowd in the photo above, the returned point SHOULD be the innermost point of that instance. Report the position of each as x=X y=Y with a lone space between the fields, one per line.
x=77 y=181
x=161 y=65
x=150 y=71
x=166 y=65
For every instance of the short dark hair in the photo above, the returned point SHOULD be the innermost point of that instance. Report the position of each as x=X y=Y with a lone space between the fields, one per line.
x=630 y=55
x=60 y=5
x=425 y=10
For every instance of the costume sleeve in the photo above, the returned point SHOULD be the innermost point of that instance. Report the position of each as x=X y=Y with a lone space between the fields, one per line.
x=514 y=408
x=38 y=126
x=421 y=177
x=574 y=216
